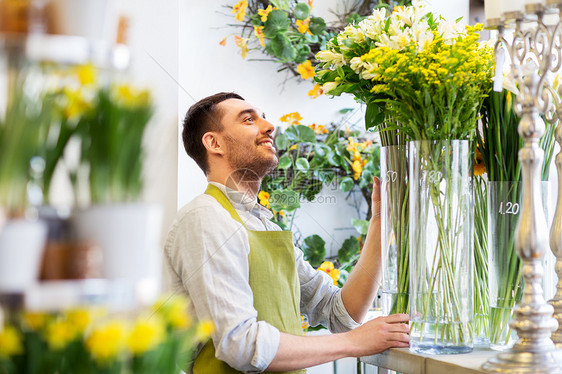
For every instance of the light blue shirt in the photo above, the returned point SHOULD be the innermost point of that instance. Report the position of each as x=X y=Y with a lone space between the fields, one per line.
x=206 y=258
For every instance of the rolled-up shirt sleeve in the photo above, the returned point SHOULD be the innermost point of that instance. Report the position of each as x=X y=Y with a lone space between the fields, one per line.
x=321 y=301
x=208 y=252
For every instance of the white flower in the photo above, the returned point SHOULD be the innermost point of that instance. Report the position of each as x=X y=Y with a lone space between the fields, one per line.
x=335 y=59
x=354 y=33
x=356 y=64
x=329 y=86
x=449 y=31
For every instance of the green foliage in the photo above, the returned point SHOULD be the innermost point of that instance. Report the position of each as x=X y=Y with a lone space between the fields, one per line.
x=314 y=249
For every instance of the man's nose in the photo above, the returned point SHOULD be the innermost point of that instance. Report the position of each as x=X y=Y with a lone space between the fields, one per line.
x=267 y=127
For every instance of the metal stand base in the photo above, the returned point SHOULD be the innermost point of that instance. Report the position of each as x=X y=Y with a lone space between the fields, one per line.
x=523 y=363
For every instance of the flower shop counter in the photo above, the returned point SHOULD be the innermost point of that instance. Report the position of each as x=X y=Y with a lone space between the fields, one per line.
x=404 y=361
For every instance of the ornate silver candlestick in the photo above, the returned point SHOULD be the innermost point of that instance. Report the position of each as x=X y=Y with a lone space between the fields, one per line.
x=533 y=53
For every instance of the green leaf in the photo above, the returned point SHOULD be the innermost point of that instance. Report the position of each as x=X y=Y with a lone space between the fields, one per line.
x=301 y=134
x=277 y=23
x=314 y=249
x=303 y=51
x=361 y=225
x=374 y=115
x=281 y=142
x=321 y=150
x=286 y=200
x=349 y=248
x=285 y=162
x=345 y=110
x=301 y=11
x=317 y=25
x=281 y=48
x=302 y=164
x=346 y=184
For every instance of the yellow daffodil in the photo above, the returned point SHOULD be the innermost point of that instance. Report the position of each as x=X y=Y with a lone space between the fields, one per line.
x=34 y=321
x=318 y=129
x=306 y=70
x=131 y=97
x=264 y=199
x=242 y=43
x=204 y=331
x=328 y=268
x=174 y=310
x=81 y=318
x=263 y=13
x=107 y=341
x=240 y=10
x=302 y=26
x=87 y=74
x=59 y=334
x=291 y=118
x=75 y=103
x=315 y=91
x=258 y=32
x=10 y=342
x=147 y=333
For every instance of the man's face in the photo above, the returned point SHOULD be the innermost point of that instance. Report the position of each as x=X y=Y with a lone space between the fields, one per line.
x=247 y=136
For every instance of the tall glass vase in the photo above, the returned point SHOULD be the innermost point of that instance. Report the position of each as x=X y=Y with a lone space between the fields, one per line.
x=505 y=281
x=394 y=229
x=441 y=245
x=481 y=321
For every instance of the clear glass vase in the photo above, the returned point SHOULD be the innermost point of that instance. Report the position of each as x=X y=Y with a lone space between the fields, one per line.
x=481 y=304
x=394 y=229
x=505 y=281
x=441 y=246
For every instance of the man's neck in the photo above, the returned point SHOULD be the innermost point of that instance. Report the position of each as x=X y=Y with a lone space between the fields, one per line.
x=237 y=183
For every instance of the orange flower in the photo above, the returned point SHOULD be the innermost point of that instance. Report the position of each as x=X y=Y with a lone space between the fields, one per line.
x=240 y=10
x=318 y=129
x=306 y=70
x=479 y=166
x=315 y=92
x=328 y=268
x=243 y=44
x=310 y=4
x=223 y=42
x=302 y=26
x=258 y=31
x=291 y=118
x=263 y=13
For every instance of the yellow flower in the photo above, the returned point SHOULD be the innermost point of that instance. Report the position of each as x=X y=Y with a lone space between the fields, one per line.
x=75 y=104
x=80 y=318
x=264 y=199
x=87 y=74
x=281 y=213
x=328 y=268
x=10 y=342
x=174 y=310
x=34 y=321
x=258 y=32
x=315 y=92
x=319 y=129
x=240 y=10
x=131 y=97
x=59 y=334
x=357 y=166
x=304 y=324
x=306 y=70
x=147 y=333
x=263 y=13
x=204 y=331
x=302 y=26
x=107 y=341
x=243 y=44
x=293 y=147
x=291 y=118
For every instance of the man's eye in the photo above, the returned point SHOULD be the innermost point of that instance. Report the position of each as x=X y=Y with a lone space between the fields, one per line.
x=249 y=119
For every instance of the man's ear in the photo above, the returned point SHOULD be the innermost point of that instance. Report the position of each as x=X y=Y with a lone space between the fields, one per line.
x=212 y=142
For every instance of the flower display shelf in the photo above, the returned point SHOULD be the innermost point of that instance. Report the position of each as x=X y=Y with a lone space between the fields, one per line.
x=65 y=50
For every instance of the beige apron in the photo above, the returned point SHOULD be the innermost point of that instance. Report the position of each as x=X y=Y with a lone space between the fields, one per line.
x=274 y=282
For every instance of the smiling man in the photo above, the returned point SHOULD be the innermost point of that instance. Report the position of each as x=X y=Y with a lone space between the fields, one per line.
x=243 y=273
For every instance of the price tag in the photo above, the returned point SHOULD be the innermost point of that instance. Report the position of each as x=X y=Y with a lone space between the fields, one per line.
x=498 y=77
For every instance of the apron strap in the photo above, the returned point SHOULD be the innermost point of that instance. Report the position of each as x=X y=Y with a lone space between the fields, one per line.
x=216 y=192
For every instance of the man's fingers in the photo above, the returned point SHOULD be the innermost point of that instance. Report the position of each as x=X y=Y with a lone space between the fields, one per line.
x=397 y=318
x=399 y=337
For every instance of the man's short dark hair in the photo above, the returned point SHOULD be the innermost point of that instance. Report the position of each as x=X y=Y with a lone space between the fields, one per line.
x=202 y=117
